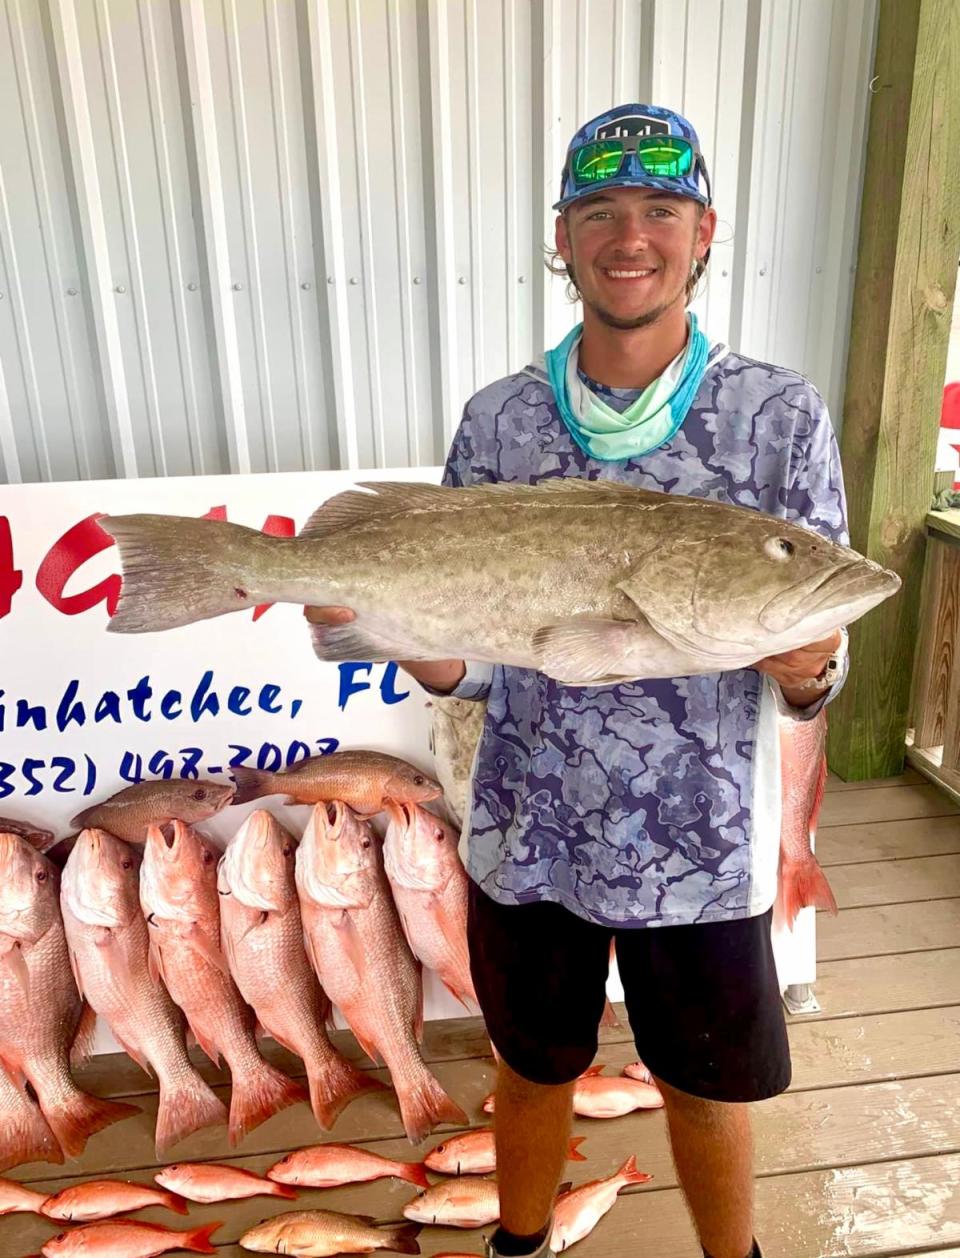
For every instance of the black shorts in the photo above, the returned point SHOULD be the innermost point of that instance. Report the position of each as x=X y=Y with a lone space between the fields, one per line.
x=703 y=1000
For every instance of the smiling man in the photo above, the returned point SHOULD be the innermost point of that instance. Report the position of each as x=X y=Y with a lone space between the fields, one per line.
x=646 y=813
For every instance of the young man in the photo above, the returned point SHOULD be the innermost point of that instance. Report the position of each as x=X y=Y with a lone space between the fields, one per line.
x=645 y=812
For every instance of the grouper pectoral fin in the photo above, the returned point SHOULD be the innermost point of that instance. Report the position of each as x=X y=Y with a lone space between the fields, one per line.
x=593 y=651
x=588 y=650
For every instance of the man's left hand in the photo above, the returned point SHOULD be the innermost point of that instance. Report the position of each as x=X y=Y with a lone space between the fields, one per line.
x=793 y=668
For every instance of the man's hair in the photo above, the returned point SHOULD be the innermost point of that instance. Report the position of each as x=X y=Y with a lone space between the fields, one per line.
x=556 y=266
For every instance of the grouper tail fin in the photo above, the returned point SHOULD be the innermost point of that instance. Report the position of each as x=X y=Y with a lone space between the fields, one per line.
x=177 y=570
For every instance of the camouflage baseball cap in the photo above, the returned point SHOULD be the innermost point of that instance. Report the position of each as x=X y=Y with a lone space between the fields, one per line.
x=623 y=123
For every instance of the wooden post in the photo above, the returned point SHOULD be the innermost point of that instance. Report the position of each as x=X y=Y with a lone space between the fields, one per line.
x=903 y=299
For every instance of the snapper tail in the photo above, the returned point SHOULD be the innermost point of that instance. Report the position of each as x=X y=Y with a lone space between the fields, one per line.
x=334 y=1083
x=424 y=1105
x=184 y=1108
x=76 y=1116
x=402 y=1238
x=198 y=1239
x=802 y=885
x=24 y=1133
x=258 y=1094
x=178 y=570
x=630 y=1174
x=253 y=784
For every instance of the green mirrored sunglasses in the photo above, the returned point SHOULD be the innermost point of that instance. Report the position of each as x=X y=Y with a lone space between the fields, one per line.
x=665 y=156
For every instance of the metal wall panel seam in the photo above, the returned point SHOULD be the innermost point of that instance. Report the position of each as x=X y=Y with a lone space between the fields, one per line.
x=451 y=400
x=365 y=209
x=331 y=229
x=186 y=367
x=841 y=216
x=131 y=241
x=748 y=104
x=511 y=253
x=583 y=62
x=293 y=264
x=416 y=453
x=55 y=277
x=206 y=149
x=753 y=242
x=22 y=335
x=478 y=274
x=621 y=92
x=251 y=239
x=76 y=111
x=776 y=271
x=556 y=307
x=10 y=470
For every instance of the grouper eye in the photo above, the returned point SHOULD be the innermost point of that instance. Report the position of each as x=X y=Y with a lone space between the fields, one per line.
x=778 y=547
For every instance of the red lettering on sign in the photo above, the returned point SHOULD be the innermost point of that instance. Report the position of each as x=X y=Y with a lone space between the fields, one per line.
x=62 y=560
x=10 y=577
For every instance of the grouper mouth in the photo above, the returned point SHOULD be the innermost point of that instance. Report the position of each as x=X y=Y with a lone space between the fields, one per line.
x=848 y=591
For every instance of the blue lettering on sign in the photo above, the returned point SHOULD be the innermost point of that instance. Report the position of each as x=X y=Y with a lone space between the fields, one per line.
x=171 y=705
x=108 y=706
x=138 y=696
x=268 y=699
x=203 y=701
x=349 y=685
x=388 y=686
x=238 y=697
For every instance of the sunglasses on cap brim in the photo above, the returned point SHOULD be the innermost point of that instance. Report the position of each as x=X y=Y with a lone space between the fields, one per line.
x=663 y=156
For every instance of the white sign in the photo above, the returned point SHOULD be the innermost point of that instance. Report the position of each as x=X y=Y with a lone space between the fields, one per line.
x=84 y=713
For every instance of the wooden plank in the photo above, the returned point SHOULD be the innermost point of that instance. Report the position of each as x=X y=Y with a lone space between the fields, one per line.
x=901 y=803
x=896 y=881
x=909 y=777
x=936 y=643
x=945 y=523
x=849 y=1051
x=934 y=658
x=928 y=762
x=905 y=280
x=872 y=932
x=836 y=1127
x=950 y=599
x=883 y=1209
x=888 y=840
x=915 y=980
x=445 y=1039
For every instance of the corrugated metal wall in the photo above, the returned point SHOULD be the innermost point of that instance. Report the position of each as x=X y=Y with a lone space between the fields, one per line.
x=280 y=234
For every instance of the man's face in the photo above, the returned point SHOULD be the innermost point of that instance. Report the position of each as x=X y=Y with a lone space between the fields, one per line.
x=632 y=250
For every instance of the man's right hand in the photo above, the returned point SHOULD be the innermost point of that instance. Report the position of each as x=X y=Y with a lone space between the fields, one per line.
x=443 y=675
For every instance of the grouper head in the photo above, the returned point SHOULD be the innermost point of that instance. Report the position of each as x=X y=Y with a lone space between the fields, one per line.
x=765 y=586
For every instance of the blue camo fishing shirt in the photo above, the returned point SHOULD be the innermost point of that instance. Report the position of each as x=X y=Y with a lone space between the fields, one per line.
x=651 y=803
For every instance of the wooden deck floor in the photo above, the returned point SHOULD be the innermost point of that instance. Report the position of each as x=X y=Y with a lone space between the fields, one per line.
x=861 y=1156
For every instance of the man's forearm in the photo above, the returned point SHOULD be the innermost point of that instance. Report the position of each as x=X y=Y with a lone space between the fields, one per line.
x=437 y=674
x=800 y=696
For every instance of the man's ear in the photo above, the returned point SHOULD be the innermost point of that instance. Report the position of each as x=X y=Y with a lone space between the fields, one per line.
x=562 y=237
x=706 y=229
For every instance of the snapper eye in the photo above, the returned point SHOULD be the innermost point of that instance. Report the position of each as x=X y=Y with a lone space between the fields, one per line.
x=208 y=856
x=418 y=779
x=199 y=795
x=42 y=875
x=778 y=548
x=364 y=842
x=126 y=863
x=438 y=835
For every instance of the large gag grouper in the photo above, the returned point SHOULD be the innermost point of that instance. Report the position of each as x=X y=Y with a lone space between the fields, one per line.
x=588 y=581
